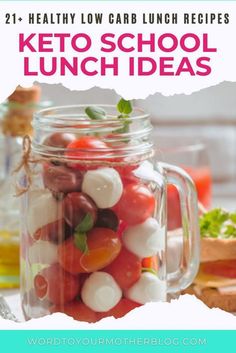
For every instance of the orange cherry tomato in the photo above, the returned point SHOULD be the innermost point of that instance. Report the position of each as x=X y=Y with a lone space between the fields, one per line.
x=150 y=262
x=125 y=269
x=103 y=244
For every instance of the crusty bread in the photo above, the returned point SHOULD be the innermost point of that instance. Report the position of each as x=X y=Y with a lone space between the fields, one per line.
x=214 y=299
x=25 y=95
x=214 y=249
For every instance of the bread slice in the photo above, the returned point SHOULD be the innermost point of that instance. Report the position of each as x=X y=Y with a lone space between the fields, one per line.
x=214 y=249
x=213 y=298
x=25 y=95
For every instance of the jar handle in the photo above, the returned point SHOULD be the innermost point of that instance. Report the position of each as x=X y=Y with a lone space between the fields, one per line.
x=190 y=258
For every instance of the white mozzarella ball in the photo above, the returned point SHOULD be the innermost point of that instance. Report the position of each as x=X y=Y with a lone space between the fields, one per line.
x=174 y=252
x=100 y=292
x=42 y=252
x=104 y=186
x=145 y=239
x=42 y=210
x=149 y=288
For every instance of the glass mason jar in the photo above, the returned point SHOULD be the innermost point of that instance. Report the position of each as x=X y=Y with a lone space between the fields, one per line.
x=94 y=222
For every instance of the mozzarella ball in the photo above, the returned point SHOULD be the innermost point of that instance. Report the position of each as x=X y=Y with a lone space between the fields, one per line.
x=145 y=239
x=149 y=288
x=100 y=292
x=104 y=186
x=42 y=252
x=174 y=252
x=42 y=210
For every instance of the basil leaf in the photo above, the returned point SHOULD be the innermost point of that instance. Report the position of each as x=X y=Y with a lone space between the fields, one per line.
x=148 y=269
x=85 y=225
x=95 y=113
x=80 y=240
x=124 y=106
x=124 y=129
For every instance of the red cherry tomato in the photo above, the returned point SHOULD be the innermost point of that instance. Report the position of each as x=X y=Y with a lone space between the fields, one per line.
x=56 y=285
x=85 y=148
x=173 y=208
x=125 y=170
x=125 y=269
x=76 y=205
x=55 y=232
x=136 y=204
x=224 y=268
x=121 y=228
x=78 y=310
x=59 y=140
x=129 y=178
x=103 y=244
x=121 y=309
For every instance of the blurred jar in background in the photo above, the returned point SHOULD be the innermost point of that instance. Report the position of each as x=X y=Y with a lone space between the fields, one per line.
x=192 y=157
x=15 y=123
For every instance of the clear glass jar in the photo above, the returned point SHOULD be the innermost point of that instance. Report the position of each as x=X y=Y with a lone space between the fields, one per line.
x=94 y=222
x=15 y=122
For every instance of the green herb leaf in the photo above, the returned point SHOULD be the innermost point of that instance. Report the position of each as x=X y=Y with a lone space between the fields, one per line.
x=124 y=106
x=230 y=231
x=95 y=113
x=86 y=224
x=80 y=240
x=148 y=269
x=232 y=217
x=123 y=129
x=218 y=223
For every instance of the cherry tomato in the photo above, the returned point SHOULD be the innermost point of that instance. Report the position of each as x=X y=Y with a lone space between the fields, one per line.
x=127 y=163
x=103 y=244
x=173 y=208
x=224 y=268
x=56 y=285
x=203 y=181
x=136 y=204
x=85 y=148
x=121 y=309
x=76 y=205
x=107 y=219
x=61 y=179
x=121 y=228
x=78 y=310
x=150 y=262
x=129 y=178
x=55 y=232
x=59 y=140
x=125 y=170
x=125 y=269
